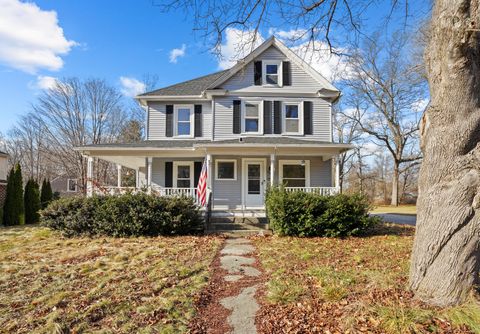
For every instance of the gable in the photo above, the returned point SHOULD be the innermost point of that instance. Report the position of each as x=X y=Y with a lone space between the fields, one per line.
x=243 y=80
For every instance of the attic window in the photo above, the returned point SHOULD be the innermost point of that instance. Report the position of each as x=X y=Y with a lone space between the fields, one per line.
x=272 y=73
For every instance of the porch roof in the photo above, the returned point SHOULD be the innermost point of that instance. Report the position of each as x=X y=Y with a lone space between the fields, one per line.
x=133 y=155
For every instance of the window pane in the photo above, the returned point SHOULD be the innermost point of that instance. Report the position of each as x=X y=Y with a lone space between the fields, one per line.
x=184 y=115
x=71 y=185
x=293 y=171
x=251 y=125
x=251 y=110
x=183 y=183
x=272 y=79
x=183 y=129
x=226 y=170
x=291 y=125
x=291 y=111
x=294 y=182
x=272 y=69
x=253 y=187
x=183 y=172
x=253 y=171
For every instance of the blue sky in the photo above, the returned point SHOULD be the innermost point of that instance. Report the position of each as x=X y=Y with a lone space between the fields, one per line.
x=102 y=39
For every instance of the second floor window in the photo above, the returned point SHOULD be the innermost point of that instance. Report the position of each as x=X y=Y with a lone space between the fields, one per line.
x=292 y=118
x=184 y=120
x=252 y=117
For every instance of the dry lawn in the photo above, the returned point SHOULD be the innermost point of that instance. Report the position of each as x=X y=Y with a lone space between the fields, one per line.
x=52 y=284
x=353 y=285
x=401 y=209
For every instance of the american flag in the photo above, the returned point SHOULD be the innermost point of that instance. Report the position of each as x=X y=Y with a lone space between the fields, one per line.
x=202 y=185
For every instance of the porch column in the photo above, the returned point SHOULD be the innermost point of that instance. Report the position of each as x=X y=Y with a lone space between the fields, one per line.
x=137 y=178
x=209 y=171
x=119 y=175
x=272 y=168
x=149 y=172
x=337 y=173
x=89 y=177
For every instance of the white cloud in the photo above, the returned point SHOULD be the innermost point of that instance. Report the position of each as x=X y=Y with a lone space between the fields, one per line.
x=30 y=38
x=238 y=44
x=131 y=87
x=420 y=105
x=45 y=82
x=177 y=53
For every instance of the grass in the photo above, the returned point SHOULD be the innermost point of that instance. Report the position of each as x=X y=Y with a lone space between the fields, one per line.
x=52 y=284
x=401 y=209
x=350 y=285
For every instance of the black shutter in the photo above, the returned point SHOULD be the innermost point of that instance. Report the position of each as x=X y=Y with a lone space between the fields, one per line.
x=168 y=174
x=198 y=120
x=236 y=116
x=169 y=120
x=307 y=117
x=277 y=117
x=257 y=73
x=286 y=74
x=197 y=169
x=267 y=117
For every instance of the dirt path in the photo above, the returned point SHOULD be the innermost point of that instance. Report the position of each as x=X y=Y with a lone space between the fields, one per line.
x=228 y=304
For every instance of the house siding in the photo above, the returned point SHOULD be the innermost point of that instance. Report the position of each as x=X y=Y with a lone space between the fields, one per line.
x=227 y=194
x=321 y=118
x=157 y=119
x=158 y=169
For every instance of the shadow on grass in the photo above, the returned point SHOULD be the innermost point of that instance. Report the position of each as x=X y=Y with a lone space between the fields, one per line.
x=389 y=229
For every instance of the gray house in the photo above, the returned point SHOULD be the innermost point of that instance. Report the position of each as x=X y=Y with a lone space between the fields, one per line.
x=267 y=120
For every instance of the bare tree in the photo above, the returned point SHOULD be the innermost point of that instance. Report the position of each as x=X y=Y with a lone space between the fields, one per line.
x=75 y=113
x=386 y=88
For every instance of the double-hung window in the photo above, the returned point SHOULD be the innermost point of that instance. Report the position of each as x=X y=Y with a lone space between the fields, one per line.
x=295 y=173
x=292 y=115
x=272 y=73
x=184 y=120
x=252 y=121
x=183 y=174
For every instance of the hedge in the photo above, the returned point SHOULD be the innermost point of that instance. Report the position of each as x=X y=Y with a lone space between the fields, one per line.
x=310 y=215
x=123 y=216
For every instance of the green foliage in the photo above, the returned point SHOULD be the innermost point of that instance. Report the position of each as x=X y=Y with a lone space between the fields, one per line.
x=13 y=209
x=122 y=216
x=32 y=202
x=46 y=195
x=308 y=215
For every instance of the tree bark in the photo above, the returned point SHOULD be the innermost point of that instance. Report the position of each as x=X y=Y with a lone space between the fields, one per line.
x=395 y=177
x=445 y=260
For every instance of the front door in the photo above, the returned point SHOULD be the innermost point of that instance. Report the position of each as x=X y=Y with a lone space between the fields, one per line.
x=254 y=183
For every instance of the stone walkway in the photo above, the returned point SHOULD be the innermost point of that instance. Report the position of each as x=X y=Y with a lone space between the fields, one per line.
x=237 y=260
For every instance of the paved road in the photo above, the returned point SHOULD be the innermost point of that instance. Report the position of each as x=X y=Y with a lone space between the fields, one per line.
x=398 y=219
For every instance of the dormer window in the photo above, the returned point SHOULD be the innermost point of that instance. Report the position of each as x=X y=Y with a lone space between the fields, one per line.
x=272 y=73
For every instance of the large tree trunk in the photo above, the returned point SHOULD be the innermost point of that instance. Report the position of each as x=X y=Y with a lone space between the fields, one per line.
x=445 y=260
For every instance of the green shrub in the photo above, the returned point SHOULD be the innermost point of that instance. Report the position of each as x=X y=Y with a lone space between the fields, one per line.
x=13 y=209
x=46 y=195
x=122 y=216
x=308 y=215
x=31 y=201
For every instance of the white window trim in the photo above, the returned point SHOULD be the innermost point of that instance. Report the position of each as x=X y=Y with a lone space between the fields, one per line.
x=175 y=120
x=234 y=169
x=300 y=118
x=260 y=116
x=76 y=186
x=175 y=172
x=279 y=72
x=281 y=163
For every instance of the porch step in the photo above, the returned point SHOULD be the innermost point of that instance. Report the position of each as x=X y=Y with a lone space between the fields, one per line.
x=237 y=226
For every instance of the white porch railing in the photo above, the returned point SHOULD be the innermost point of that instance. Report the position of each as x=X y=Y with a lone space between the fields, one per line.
x=188 y=192
x=159 y=191
x=324 y=191
x=111 y=190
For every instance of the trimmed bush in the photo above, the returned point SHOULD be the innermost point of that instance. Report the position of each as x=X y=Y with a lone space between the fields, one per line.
x=46 y=195
x=31 y=202
x=123 y=216
x=311 y=215
x=13 y=209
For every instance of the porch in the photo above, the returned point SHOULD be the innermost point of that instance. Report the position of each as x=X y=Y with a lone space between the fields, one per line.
x=238 y=173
